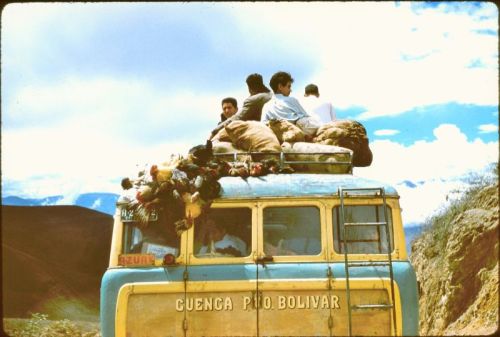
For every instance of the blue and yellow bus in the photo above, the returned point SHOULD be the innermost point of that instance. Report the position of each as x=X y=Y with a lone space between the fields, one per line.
x=310 y=254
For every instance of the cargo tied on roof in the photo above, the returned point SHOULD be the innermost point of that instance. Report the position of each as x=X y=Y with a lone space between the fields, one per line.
x=183 y=187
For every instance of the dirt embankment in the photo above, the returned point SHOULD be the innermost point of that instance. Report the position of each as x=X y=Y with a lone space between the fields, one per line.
x=456 y=261
x=53 y=258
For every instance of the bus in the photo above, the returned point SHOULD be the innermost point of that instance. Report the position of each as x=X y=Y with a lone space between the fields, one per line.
x=309 y=253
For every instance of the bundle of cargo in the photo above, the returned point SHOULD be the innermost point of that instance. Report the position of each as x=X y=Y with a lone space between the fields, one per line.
x=181 y=189
x=348 y=134
x=286 y=131
x=282 y=141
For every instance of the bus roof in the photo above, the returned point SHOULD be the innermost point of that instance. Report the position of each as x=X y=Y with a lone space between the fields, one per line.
x=295 y=185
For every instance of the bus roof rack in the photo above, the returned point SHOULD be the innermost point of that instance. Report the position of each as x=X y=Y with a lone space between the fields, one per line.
x=339 y=162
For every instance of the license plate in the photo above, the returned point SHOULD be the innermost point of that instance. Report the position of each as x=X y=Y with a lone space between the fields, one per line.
x=129 y=215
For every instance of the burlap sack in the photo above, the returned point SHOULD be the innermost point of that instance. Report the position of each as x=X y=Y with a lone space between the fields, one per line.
x=221 y=136
x=286 y=131
x=253 y=136
x=225 y=151
x=224 y=147
x=325 y=162
x=348 y=134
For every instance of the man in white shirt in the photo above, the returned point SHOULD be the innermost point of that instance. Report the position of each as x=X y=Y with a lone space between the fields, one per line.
x=321 y=110
x=282 y=106
x=219 y=241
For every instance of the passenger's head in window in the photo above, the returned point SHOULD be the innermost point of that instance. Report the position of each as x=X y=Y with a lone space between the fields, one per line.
x=217 y=240
x=214 y=231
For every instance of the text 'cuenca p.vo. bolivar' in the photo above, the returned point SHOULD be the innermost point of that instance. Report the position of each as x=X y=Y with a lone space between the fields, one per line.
x=264 y=302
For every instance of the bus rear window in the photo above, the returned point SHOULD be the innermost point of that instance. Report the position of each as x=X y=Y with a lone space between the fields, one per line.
x=361 y=239
x=223 y=232
x=292 y=231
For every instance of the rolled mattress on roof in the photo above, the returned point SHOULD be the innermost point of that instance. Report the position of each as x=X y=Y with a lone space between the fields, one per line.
x=321 y=158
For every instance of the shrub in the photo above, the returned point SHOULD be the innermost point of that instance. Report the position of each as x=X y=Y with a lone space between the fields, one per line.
x=39 y=326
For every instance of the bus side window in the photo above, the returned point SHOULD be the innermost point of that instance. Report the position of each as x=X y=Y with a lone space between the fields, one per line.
x=292 y=231
x=156 y=237
x=223 y=232
x=361 y=239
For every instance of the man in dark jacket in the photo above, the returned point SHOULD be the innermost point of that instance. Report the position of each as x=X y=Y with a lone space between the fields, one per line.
x=229 y=108
x=252 y=106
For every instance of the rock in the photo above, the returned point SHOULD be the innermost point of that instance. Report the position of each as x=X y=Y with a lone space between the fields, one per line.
x=456 y=261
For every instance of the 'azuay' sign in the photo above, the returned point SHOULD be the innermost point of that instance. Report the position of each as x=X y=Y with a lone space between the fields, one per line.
x=280 y=302
x=136 y=259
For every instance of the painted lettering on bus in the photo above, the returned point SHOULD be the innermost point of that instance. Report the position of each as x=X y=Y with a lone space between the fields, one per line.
x=265 y=302
x=308 y=302
x=136 y=259
x=292 y=302
x=204 y=304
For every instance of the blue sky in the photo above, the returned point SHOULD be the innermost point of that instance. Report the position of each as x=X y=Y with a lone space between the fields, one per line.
x=91 y=90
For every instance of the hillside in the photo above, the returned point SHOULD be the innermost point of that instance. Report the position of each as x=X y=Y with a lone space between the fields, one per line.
x=99 y=201
x=456 y=260
x=53 y=258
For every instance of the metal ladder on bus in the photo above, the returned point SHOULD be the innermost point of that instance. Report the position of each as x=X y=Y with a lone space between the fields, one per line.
x=348 y=264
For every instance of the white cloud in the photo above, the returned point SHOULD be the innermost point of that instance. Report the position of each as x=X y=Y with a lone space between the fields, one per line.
x=96 y=204
x=360 y=56
x=359 y=49
x=427 y=198
x=487 y=128
x=436 y=167
x=73 y=160
x=450 y=154
x=101 y=103
x=73 y=136
x=385 y=132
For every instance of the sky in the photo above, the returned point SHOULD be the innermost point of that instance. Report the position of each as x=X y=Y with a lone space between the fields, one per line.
x=92 y=90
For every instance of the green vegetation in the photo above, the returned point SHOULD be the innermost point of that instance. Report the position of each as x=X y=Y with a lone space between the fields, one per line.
x=40 y=326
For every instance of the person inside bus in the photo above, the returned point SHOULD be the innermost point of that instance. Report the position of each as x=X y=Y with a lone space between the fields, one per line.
x=275 y=242
x=282 y=106
x=217 y=240
x=229 y=108
x=252 y=106
x=155 y=238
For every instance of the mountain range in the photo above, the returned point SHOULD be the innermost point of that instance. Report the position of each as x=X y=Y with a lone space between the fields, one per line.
x=101 y=202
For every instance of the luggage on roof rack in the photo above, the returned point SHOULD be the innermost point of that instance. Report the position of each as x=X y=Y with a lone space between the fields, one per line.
x=302 y=157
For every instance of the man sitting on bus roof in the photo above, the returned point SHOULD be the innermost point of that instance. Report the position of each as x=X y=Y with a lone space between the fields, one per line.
x=282 y=106
x=252 y=106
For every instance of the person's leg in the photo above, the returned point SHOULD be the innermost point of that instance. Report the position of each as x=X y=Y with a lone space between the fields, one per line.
x=308 y=125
